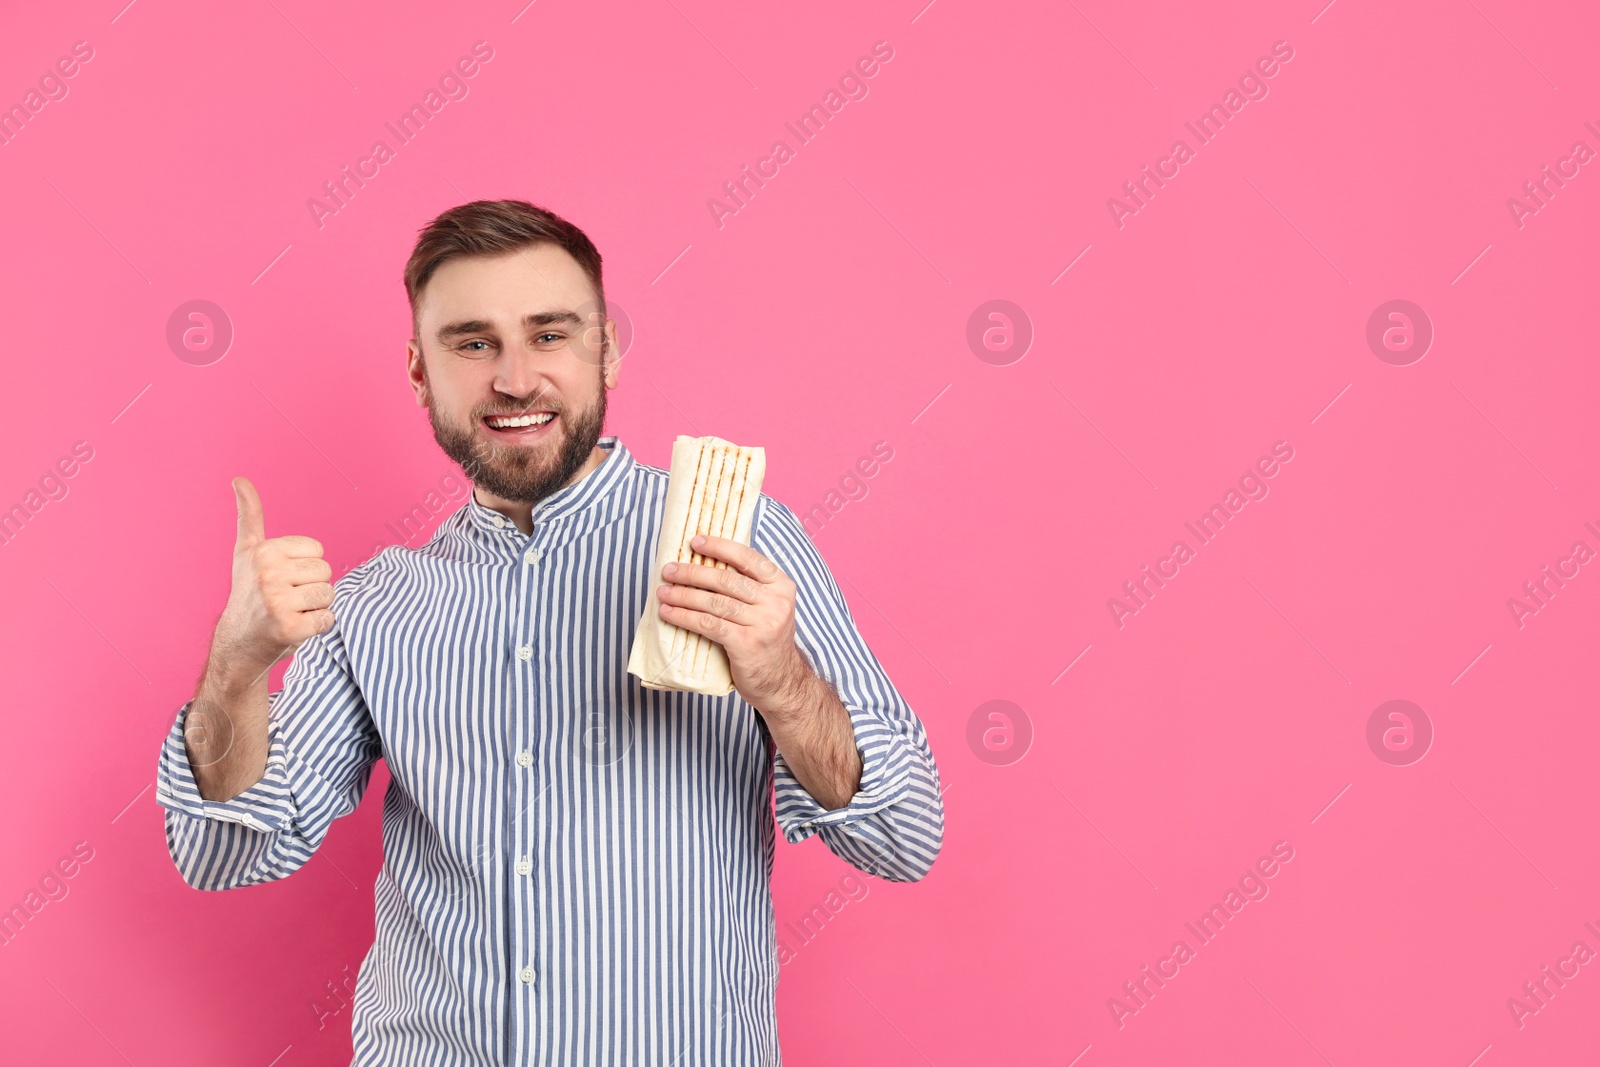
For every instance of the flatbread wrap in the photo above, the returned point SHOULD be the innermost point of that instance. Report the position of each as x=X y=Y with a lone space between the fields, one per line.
x=712 y=488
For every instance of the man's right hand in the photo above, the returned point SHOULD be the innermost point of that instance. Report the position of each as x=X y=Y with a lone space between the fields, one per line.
x=281 y=595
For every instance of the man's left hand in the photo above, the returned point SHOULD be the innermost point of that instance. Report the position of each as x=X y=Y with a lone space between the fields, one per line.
x=748 y=609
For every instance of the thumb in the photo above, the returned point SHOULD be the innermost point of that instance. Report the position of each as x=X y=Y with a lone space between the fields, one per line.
x=252 y=527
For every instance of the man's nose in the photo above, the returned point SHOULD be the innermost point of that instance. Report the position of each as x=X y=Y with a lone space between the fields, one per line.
x=518 y=375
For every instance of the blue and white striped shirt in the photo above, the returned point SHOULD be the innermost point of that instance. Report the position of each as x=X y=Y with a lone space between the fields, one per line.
x=576 y=867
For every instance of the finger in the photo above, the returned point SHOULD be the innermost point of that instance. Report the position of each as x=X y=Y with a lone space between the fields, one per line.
x=308 y=570
x=297 y=546
x=725 y=580
x=312 y=597
x=734 y=554
x=706 y=625
x=302 y=626
x=702 y=601
x=252 y=527
x=318 y=622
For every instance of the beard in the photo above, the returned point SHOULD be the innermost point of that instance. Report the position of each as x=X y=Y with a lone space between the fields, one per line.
x=516 y=472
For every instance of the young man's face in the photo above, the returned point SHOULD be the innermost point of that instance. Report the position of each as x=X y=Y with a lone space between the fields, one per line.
x=513 y=366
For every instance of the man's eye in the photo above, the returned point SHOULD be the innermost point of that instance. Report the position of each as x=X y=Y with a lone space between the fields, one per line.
x=468 y=345
x=548 y=338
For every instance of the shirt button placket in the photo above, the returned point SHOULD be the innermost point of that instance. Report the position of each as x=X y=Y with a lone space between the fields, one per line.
x=528 y=687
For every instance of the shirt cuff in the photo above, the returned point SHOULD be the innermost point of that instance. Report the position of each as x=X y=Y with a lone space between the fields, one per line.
x=268 y=806
x=885 y=779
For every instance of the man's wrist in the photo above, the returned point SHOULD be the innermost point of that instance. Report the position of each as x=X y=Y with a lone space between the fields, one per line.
x=795 y=698
x=817 y=740
x=235 y=667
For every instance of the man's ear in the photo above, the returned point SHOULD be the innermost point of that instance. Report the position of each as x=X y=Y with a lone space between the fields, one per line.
x=613 y=356
x=416 y=372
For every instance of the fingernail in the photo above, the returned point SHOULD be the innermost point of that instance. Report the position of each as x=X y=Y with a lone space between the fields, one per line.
x=670 y=568
x=697 y=542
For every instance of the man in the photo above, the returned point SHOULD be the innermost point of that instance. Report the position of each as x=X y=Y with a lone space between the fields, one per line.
x=576 y=867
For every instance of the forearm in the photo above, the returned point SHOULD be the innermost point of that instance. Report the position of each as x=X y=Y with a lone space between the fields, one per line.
x=812 y=730
x=225 y=728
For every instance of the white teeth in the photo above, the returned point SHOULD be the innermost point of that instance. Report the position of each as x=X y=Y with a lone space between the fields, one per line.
x=508 y=422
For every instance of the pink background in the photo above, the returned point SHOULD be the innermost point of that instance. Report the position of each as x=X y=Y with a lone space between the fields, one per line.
x=828 y=314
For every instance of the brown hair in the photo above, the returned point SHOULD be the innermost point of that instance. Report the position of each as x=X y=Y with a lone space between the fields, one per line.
x=494 y=227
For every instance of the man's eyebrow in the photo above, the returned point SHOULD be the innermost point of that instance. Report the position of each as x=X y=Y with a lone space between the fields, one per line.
x=550 y=318
x=464 y=326
x=534 y=320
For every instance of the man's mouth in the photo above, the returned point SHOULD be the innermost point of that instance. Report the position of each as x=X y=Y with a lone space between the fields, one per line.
x=521 y=425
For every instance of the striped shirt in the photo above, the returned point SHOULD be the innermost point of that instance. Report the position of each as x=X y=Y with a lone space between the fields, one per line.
x=576 y=868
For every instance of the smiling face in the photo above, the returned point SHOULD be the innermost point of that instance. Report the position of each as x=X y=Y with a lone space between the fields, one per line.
x=512 y=363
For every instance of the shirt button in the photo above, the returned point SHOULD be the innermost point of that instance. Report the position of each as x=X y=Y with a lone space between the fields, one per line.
x=532 y=556
x=524 y=758
x=524 y=865
x=525 y=652
x=498 y=521
x=527 y=974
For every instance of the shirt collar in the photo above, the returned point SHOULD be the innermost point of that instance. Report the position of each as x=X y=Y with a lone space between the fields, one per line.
x=590 y=491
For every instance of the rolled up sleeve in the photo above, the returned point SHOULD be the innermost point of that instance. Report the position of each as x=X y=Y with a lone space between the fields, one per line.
x=322 y=745
x=894 y=825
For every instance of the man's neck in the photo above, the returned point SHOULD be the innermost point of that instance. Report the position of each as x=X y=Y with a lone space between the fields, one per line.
x=521 y=512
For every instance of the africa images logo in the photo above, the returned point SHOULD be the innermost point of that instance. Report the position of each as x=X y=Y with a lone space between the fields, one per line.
x=452 y=86
x=1252 y=86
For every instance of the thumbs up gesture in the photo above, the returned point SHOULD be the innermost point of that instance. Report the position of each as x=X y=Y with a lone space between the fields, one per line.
x=281 y=594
